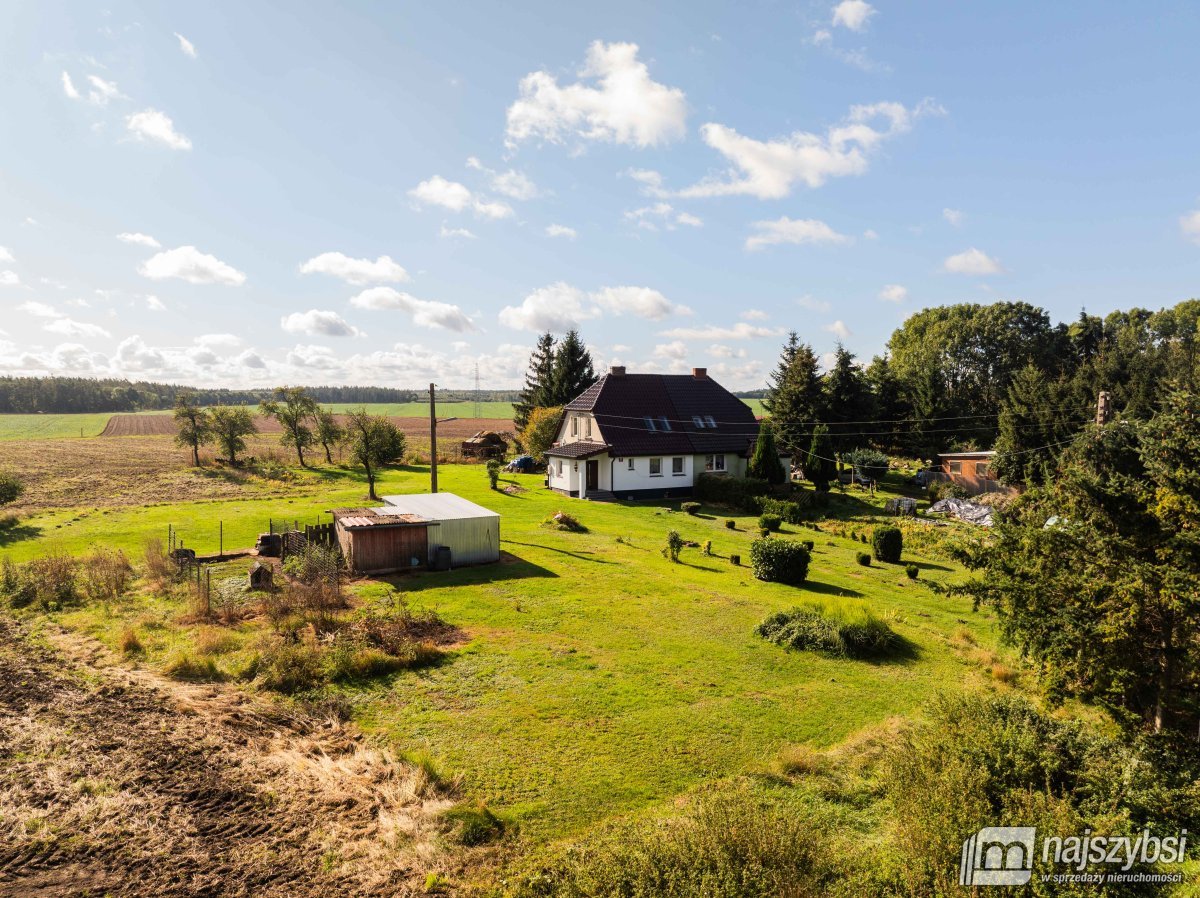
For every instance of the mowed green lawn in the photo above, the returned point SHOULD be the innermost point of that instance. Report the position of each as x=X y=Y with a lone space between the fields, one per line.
x=49 y=427
x=596 y=677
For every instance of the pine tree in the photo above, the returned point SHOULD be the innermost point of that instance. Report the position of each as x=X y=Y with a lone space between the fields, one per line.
x=1032 y=420
x=794 y=399
x=890 y=408
x=573 y=372
x=848 y=402
x=764 y=462
x=819 y=466
x=536 y=393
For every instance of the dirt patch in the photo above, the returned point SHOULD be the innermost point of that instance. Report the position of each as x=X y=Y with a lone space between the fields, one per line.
x=116 y=782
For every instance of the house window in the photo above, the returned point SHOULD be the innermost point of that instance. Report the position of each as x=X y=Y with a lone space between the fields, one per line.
x=558 y=465
x=656 y=467
x=676 y=466
x=981 y=469
x=574 y=426
x=708 y=419
x=631 y=464
x=714 y=462
x=698 y=421
x=955 y=467
x=587 y=423
x=663 y=424
x=650 y=426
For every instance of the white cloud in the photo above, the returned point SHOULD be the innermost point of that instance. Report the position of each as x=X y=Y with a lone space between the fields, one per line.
x=788 y=230
x=189 y=264
x=769 y=169
x=355 y=271
x=457 y=232
x=557 y=307
x=754 y=315
x=139 y=239
x=651 y=181
x=813 y=304
x=39 y=309
x=692 y=221
x=640 y=301
x=9 y=279
x=954 y=216
x=870 y=234
x=222 y=341
x=676 y=349
x=154 y=304
x=557 y=230
x=102 y=91
x=320 y=358
x=893 y=293
x=972 y=261
x=853 y=14
x=739 y=331
x=514 y=184
x=839 y=330
x=186 y=46
x=68 y=87
x=424 y=312
x=319 y=323
x=437 y=191
x=494 y=210
x=1189 y=225
x=250 y=359
x=6 y=254
x=134 y=355
x=625 y=105
x=721 y=351
x=152 y=125
x=69 y=327
x=664 y=214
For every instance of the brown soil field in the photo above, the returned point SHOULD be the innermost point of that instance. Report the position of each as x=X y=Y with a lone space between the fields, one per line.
x=416 y=428
x=118 y=782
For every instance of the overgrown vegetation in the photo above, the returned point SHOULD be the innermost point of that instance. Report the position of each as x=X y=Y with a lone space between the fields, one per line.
x=844 y=628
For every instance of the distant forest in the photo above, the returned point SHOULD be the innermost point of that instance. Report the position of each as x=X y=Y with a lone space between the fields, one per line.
x=24 y=395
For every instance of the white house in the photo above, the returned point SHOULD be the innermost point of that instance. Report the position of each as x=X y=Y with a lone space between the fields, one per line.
x=642 y=436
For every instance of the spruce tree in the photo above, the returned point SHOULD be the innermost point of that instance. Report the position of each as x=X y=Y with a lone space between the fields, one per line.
x=573 y=372
x=819 y=466
x=1032 y=419
x=794 y=399
x=848 y=402
x=764 y=462
x=536 y=393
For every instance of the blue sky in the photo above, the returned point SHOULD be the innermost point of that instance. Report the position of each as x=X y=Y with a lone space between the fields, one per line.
x=254 y=193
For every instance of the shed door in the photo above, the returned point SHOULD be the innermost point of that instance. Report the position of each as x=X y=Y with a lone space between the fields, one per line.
x=593 y=475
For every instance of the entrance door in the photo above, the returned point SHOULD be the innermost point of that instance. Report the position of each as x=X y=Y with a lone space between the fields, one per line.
x=593 y=475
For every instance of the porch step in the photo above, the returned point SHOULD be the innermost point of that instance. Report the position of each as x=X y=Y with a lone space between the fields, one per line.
x=600 y=496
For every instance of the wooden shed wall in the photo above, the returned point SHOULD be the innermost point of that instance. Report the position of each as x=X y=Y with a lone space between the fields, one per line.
x=373 y=550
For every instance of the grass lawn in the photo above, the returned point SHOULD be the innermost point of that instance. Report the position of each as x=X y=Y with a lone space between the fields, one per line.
x=597 y=678
x=46 y=427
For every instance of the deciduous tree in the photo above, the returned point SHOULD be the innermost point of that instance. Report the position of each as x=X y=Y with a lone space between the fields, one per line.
x=374 y=442
x=230 y=425
x=294 y=409
x=329 y=432
x=194 y=426
x=540 y=431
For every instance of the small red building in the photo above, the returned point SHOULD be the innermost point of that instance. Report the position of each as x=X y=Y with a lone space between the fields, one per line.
x=970 y=470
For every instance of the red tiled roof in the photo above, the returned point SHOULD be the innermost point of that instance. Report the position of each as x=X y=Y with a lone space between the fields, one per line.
x=621 y=403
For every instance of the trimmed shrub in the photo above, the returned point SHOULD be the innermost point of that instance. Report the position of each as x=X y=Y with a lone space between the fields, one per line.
x=779 y=561
x=808 y=544
x=912 y=570
x=764 y=532
x=706 y=547
x=846 y=629
x=864 y=558
x=11 y=488
x=770 y=522
x=673 y=547
x=888 y=544
x=493 y=472
x=735 y=560
x=730 y=524
x=690 y=507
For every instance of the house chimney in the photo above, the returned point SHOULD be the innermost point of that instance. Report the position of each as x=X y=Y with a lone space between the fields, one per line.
x=618 y=371
x=700 y=373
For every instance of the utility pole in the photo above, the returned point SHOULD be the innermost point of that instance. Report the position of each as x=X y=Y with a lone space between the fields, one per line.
x=432 y=440
x=1103 y=408
x=478 y=409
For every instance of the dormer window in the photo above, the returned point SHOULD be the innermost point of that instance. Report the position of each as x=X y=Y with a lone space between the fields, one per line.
x=708 y=419
x=659 y=424
x=704 y=422
x=698 y=421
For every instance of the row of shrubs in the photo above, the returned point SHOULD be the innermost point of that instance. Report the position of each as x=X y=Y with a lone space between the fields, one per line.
x=57 y=580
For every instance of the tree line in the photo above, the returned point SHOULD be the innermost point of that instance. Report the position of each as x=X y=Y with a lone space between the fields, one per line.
x=372 y=440
x=69 y=395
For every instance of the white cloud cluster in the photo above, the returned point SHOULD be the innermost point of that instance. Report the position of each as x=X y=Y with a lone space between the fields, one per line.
x=139 y=239
x=356 y=271
x=319 y=323
x=893 y=293
x=663 y=215
x=792 y=230
x=770 y=169
x=186 y=46
x=625 y=105
x=739 y=331
x=557 y=230
x=439 y=191
x=68 y=86
x=189 y=264
x=510 y=183
x=156 y=127
x=102 y=91
x=58 y=323
x=953 y=216
x=9 y=278
x=1189 y=226
x=424 y=312
x=972 y=261
x=560 y=306
x=853 y=14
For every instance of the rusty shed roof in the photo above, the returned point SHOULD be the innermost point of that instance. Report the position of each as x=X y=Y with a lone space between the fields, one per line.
x=360 y=518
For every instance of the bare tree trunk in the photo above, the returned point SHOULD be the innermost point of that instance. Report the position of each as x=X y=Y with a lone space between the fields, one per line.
x=196 y=454
x=328 y=457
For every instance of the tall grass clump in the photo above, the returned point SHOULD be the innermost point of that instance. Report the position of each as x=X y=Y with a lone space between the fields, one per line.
x=846 y=629
x=106 y=574
x=50 y=582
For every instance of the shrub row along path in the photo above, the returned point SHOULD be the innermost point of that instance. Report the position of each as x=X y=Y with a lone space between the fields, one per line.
x=164 y=425
x=116 y=782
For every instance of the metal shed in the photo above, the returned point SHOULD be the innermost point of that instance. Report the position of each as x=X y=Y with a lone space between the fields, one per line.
x=471 y=531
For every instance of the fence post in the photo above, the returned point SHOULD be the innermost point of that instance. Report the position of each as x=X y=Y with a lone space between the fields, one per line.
x=207 y=592
x=221 y=543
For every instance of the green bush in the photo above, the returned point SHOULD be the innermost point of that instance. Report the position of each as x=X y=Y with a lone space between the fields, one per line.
x=888 y=544
x=913 y=571
x=863 y=558
x=735 y=560
x=732 y=492
x=51 y=582
x=791 y=510
x=946 y=489
x=770 y=522
x=290 y=668
x=493 y=472
x=779 y=561
x=844 y=628
x=730 y=524
x=690 y=507
x=11 y=488
x=673 y=547
x=808 y=544
x=869 y=464
x=474 y=824
x=764 y=532
x=706 y=547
